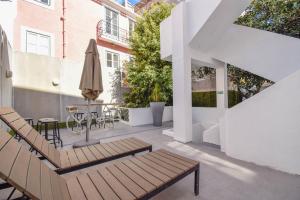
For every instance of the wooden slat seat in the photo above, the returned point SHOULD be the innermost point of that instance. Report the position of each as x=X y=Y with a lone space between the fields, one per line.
x=134 y=178
x=66 y=161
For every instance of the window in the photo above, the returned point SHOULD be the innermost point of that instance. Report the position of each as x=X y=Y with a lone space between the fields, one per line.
x=45 y=2
x=38 y=43
x=112 y=59
x=112 y=22
x=131 y=27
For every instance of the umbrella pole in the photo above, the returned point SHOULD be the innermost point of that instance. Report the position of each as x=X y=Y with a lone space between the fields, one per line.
x=88 y=125
x=87 y=140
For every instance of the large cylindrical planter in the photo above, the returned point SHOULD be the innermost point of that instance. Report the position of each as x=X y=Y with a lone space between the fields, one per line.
x=157 y=109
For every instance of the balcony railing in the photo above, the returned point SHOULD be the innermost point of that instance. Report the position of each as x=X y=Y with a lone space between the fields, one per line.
x=106 y=29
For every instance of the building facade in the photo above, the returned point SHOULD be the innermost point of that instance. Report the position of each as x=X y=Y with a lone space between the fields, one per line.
x=50 y=38
x=62 y=28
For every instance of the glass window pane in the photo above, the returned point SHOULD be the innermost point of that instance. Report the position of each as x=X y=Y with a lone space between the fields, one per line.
x=116 y=60
x=31 y=37
x=116 y=57
x=44 y=51
x=46 y=2
x=31 y=48
x=109 y=56
x=109 y=63
x=116 y=64
x=44 y=41
x=109 y=59
x=38 y=43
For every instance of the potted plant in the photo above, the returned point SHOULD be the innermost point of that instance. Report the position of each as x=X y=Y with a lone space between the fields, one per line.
x=157 y=105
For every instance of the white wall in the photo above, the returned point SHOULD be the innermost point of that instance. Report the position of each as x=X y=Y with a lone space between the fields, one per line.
x=8 y=12
x=143 y=116
x=270 y=55
x=207 y=115
x=198 y=19
x=108 y=72
x=212 y=33
x=265 y=128
x=215 y=17
x=166 y=38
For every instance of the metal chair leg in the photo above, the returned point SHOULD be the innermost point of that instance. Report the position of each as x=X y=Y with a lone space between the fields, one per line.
x=196 y=184
x=58 y=135
x=11 y=193
x=54 y=135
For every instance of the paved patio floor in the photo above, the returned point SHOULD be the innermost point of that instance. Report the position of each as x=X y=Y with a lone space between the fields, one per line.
x=221 y=177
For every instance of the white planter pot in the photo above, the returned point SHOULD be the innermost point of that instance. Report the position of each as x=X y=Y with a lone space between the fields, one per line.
x=143 y=116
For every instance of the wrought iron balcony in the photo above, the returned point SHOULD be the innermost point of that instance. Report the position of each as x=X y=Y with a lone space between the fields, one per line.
x=108 y=30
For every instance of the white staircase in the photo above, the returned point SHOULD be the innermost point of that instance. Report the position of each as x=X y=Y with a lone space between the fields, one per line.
x=264 y=129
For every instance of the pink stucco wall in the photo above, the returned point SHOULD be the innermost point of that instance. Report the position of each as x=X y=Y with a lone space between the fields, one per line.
x=80 y=22
x=81 y=18
x=37 y=17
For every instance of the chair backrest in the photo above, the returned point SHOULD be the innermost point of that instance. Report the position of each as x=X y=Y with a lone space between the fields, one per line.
x=30 y=135
x=27 y=173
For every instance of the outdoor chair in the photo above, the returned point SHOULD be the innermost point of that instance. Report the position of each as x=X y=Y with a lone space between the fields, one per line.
x=72 y=159
x=141 y=177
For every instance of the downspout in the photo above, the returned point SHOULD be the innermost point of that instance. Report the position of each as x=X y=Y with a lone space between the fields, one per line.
x=63 y=28
x=61 y=113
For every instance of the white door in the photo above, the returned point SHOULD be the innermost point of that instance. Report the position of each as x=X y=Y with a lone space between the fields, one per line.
x=112 y=23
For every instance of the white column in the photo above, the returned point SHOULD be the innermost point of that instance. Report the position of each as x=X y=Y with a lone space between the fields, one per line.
x=221 y=85
x=182 y=89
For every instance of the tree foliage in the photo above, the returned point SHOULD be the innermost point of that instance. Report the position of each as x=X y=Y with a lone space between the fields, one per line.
x=248 y=84
x=146 y=68
x=280 y=16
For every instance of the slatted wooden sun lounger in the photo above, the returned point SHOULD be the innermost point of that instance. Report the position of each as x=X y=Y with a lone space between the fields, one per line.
x=73 y=159
x=141 y=177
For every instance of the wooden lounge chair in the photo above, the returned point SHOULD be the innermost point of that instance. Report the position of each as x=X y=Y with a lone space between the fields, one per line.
x=73 y=159
x=141 y=177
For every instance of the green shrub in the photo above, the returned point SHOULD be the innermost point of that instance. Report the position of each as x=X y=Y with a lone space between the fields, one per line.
x=209 y=99
x=204 y=99
x=233 y=98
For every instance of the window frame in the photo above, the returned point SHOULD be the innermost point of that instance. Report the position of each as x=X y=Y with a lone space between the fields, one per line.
x=24 y=31
x=133 y=23
x=111 y=24
x=113 y=54
x=41 y=4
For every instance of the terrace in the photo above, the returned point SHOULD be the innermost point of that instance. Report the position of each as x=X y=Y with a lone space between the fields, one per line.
x=248 y=151
x=221 y=177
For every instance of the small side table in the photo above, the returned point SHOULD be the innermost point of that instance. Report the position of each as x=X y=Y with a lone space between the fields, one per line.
x=56 y=134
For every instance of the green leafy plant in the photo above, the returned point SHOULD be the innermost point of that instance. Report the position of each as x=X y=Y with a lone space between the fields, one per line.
x=279 y=16
x=147 y=69
x=156 y=95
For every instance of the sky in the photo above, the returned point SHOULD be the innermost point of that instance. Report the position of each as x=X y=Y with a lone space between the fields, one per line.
x=133 y=2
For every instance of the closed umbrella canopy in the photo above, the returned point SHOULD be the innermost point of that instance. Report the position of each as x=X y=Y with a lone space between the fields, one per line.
x=91 y=78
x=4 y=57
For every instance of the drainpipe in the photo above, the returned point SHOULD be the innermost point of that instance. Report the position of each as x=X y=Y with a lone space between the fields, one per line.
x=63 y=28
x=61 y=113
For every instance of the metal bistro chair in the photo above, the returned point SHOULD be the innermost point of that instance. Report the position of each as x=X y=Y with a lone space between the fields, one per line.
x=109 y=115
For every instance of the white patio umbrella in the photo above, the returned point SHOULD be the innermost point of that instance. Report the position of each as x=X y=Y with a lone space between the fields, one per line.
x=91 y=83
